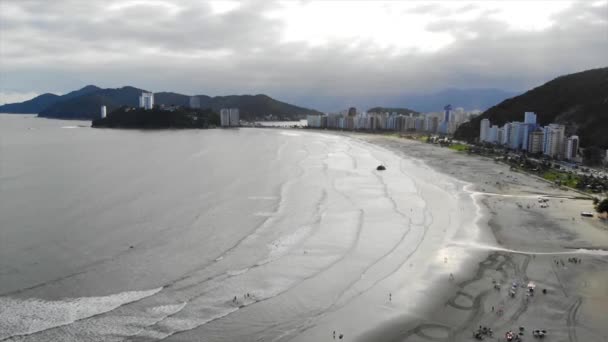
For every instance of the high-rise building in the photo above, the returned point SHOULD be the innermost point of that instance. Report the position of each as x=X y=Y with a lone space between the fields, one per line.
x=146 y=100
x=103 y=112
x=483 y=130
x=314 y=120
x=530 y=117
x=527 y=129
x=571 y=149
x=553 y=142
x=492 y=136
x=535 y=141
x=195 y=102
x=516 y=136
x=500 y=135
x=506 y=138
x=229 y=117
x=434 y=124
x=352 y=111
x=447 y=111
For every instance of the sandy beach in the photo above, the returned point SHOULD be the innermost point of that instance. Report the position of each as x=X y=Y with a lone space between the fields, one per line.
x=526 y=243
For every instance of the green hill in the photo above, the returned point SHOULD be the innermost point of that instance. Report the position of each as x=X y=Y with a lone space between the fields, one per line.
x=579 y=101
x=157 y=118
x=85 y=103
x=41 y=102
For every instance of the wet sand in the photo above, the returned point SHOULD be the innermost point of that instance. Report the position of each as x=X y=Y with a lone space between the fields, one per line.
x=530 y=244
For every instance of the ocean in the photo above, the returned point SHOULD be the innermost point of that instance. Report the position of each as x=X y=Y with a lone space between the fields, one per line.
x=217 y=235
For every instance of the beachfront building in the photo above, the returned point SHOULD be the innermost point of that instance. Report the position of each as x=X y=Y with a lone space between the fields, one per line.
x=195 y=102
x=500 y=135
x=483 y=130
x=434 y=124
x=146 y=100
x=103 y=112
x=530 y=118
x=571 y=150
x=229 y=117
x=535 y=141
x=507 y=134
x=447 y=110
x=493 y=134
x=553 y=143
x=528 y=136
x=516 y=137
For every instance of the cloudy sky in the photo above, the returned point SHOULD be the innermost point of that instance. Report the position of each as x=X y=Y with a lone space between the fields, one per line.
x=295 y=50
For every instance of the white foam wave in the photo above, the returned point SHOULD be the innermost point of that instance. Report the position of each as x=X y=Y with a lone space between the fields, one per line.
x=265 y=198
x=69 y=127
x=264 y=214
x=27 y=316
x=283 y=244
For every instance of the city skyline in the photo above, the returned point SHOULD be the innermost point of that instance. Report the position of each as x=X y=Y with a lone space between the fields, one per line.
x=358 y=49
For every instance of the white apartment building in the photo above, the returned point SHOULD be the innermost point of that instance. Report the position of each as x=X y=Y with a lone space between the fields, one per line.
x=484 y=128
x=571 y=148
x=229 y=117
x=146 y=100
x=492 y=134
x=553 y=144
x=530 y=117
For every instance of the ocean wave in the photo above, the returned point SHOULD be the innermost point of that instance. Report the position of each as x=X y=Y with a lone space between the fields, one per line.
x=28 y=316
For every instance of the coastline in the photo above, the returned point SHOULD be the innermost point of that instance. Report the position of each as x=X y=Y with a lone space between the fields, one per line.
x=532 y=244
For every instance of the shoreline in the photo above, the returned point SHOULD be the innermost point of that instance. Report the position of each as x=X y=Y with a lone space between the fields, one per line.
x=473 y=301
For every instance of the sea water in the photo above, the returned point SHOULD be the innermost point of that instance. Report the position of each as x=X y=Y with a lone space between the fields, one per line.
x=221 y=235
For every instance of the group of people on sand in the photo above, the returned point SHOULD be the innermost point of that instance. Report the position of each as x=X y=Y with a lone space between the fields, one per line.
x=483 y=331
x=341 y=336
x=245 y=296
x=575 y=260
x=570 y=260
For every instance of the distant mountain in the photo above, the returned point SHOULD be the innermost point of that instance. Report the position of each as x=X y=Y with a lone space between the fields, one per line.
x=404 y=111
x=85 y=103
x=87 y=106
x=580 y=101
x=41 y=102
x=255 y=106
x=469 y=99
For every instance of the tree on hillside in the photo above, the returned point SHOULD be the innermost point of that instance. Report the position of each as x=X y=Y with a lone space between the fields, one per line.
x=593 y=155
x=602 y=207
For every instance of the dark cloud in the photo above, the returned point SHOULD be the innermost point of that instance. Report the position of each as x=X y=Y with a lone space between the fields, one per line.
x=61 y=45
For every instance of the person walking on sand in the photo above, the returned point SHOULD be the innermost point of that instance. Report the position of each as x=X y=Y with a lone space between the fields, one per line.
x=334 y=334
x=390 y=297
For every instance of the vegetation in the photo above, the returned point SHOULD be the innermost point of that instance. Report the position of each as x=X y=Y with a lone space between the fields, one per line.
x=602 y=207
x=459 y=147
x=543 y=167
x=85 y=103
x=178 y=117
x=562 y=178
x=593 y=156
x=576 y=100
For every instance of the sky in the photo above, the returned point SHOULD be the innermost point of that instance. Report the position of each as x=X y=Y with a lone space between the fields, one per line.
x=298 y=51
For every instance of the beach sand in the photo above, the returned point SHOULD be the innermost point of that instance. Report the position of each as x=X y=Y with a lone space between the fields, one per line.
x=530 y=244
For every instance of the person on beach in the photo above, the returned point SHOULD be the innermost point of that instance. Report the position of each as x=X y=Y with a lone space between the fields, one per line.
x=390 y=296
x=334 y=334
